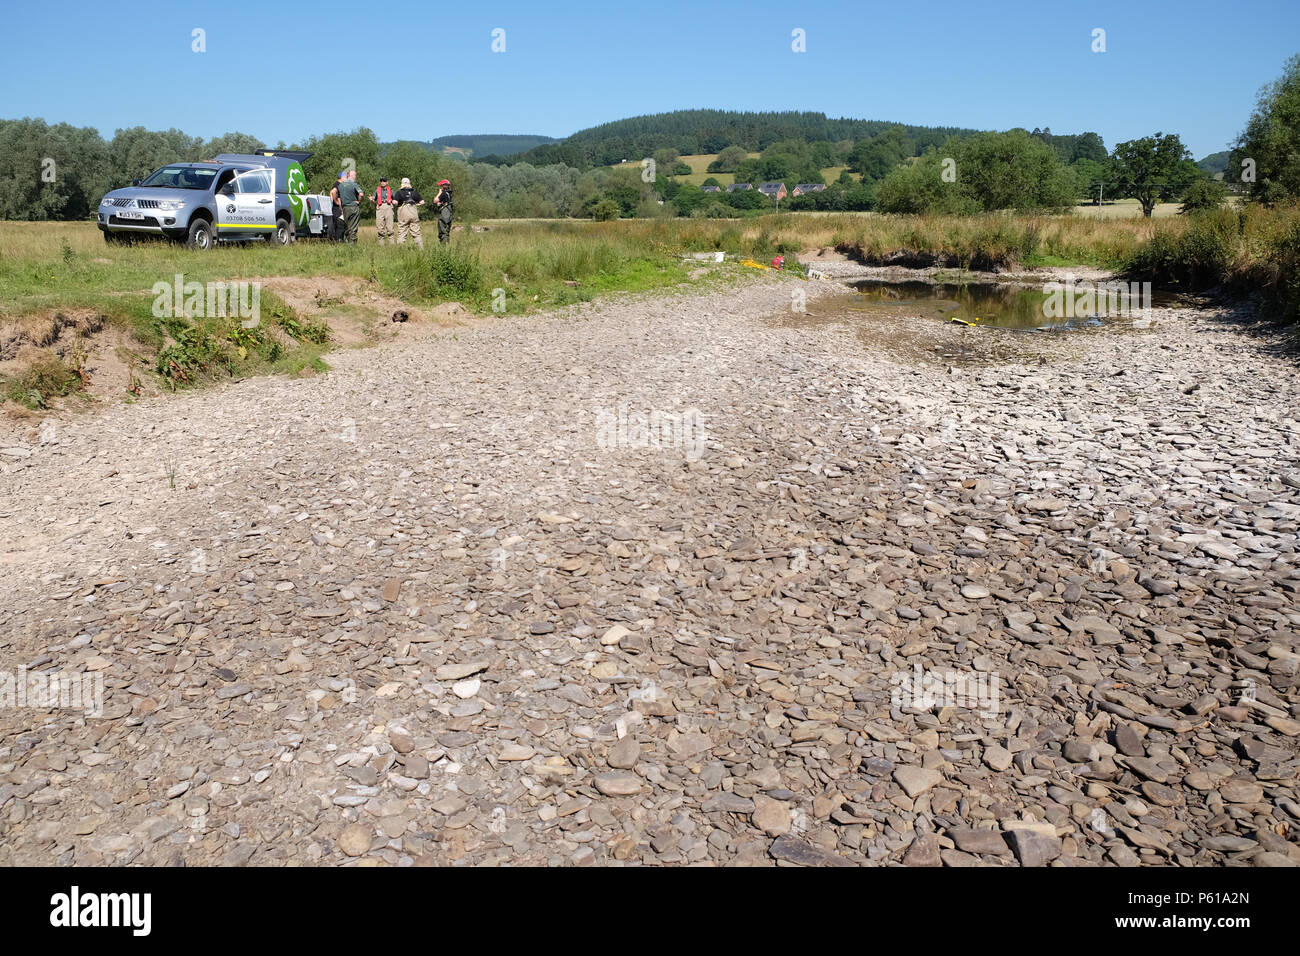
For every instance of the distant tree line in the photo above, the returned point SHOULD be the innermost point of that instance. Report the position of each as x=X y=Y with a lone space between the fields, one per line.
x=61 y=171
x=691 y=132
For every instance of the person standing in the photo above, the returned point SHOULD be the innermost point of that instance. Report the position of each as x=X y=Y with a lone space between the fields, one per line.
x=384 y=205
x=350 y=199
x=408 y=215
x=336 y=210
x=443 y=202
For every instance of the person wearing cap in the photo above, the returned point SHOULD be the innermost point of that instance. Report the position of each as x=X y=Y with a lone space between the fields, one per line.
x=443 y=203
x=384 y=205
x=408 y=216
x=349 y=197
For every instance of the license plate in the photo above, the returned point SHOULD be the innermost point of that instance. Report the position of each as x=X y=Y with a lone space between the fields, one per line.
x=130 y=214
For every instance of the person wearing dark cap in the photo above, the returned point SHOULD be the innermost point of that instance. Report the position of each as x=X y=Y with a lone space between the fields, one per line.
x=384 y=206
x=442 y=202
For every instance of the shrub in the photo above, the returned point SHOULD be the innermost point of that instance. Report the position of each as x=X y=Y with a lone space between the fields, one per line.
x=1204 y=194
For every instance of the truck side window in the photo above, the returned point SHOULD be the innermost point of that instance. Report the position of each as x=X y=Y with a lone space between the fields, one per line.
x=224 y=178
x=254 y=182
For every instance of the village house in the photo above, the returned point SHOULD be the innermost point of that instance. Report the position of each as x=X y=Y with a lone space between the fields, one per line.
x=739 y=187
x=711 y=189
x=802 y=188
x=775 y=190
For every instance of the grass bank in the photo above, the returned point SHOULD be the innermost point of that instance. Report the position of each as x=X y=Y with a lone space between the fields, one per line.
x=1251 y=250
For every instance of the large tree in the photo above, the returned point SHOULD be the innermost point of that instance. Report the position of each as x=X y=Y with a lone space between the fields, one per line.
x=50 y=172
x=1271 y=141
x=874 y=158
x=1152 y=169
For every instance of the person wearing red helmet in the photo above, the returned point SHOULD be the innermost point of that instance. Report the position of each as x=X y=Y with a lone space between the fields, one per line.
x=442 y=202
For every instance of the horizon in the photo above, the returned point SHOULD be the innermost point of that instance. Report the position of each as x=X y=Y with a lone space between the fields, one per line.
x=1203 y=69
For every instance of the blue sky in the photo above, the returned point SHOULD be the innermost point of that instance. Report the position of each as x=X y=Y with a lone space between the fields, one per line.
x=417 y=70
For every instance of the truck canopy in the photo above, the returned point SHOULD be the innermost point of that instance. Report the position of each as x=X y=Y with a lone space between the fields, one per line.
x=283 y=161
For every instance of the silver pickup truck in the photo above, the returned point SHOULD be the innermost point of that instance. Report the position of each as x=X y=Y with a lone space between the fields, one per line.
x=233 y=197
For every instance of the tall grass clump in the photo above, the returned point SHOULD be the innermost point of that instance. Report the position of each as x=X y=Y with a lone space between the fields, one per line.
x=1252 y=250
x=441 y=272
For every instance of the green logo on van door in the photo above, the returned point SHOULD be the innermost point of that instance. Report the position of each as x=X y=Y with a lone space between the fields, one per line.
x=296 y=187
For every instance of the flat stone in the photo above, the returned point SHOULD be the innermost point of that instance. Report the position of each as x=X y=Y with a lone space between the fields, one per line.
x=617 y=784
x=794 y=850
x=980 y=841
x=1241 y=790
x=924 y=851
x=1128 y=742
x=625 y=754
x=1034 y=849
x=916 y=780
x=772 y=816
x=997 y=758
x=1283 y=725
x=459 y=671
x=1148 y=768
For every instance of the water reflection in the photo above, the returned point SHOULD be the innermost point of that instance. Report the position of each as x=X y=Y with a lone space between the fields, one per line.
x=974 y=304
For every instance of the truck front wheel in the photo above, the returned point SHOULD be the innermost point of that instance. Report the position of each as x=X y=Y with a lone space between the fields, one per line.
x=200 y=235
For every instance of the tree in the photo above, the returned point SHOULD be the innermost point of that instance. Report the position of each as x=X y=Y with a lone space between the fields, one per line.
x=875 y=157
x=50 y=172
x=604 y=210
x=921 y=187
x=984 y=172
x=1012 y=170
x=136 y=152
x=665 y=159
x=1088 y=146
x=689 y=198
x=1270 y=143
x=728 y=160
x=746 y=199
x=1152 y=169
x=330 y=153
x=1203 y=194
x=231 y=143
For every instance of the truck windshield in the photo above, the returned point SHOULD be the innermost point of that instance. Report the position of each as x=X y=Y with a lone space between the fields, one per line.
x=181 y=177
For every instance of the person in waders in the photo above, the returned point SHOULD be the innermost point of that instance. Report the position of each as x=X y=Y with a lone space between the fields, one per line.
x=408 y=216
x=384 y=205
x=443 y=203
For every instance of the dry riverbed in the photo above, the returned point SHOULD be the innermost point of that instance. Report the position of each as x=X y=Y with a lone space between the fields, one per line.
x=444 y=605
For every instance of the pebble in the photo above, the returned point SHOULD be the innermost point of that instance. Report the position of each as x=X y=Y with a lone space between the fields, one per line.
x=624 y=754
x=355 y=840
x=617 y=784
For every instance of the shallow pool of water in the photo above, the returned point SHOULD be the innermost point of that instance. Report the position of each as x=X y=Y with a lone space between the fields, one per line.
x=986 y=305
